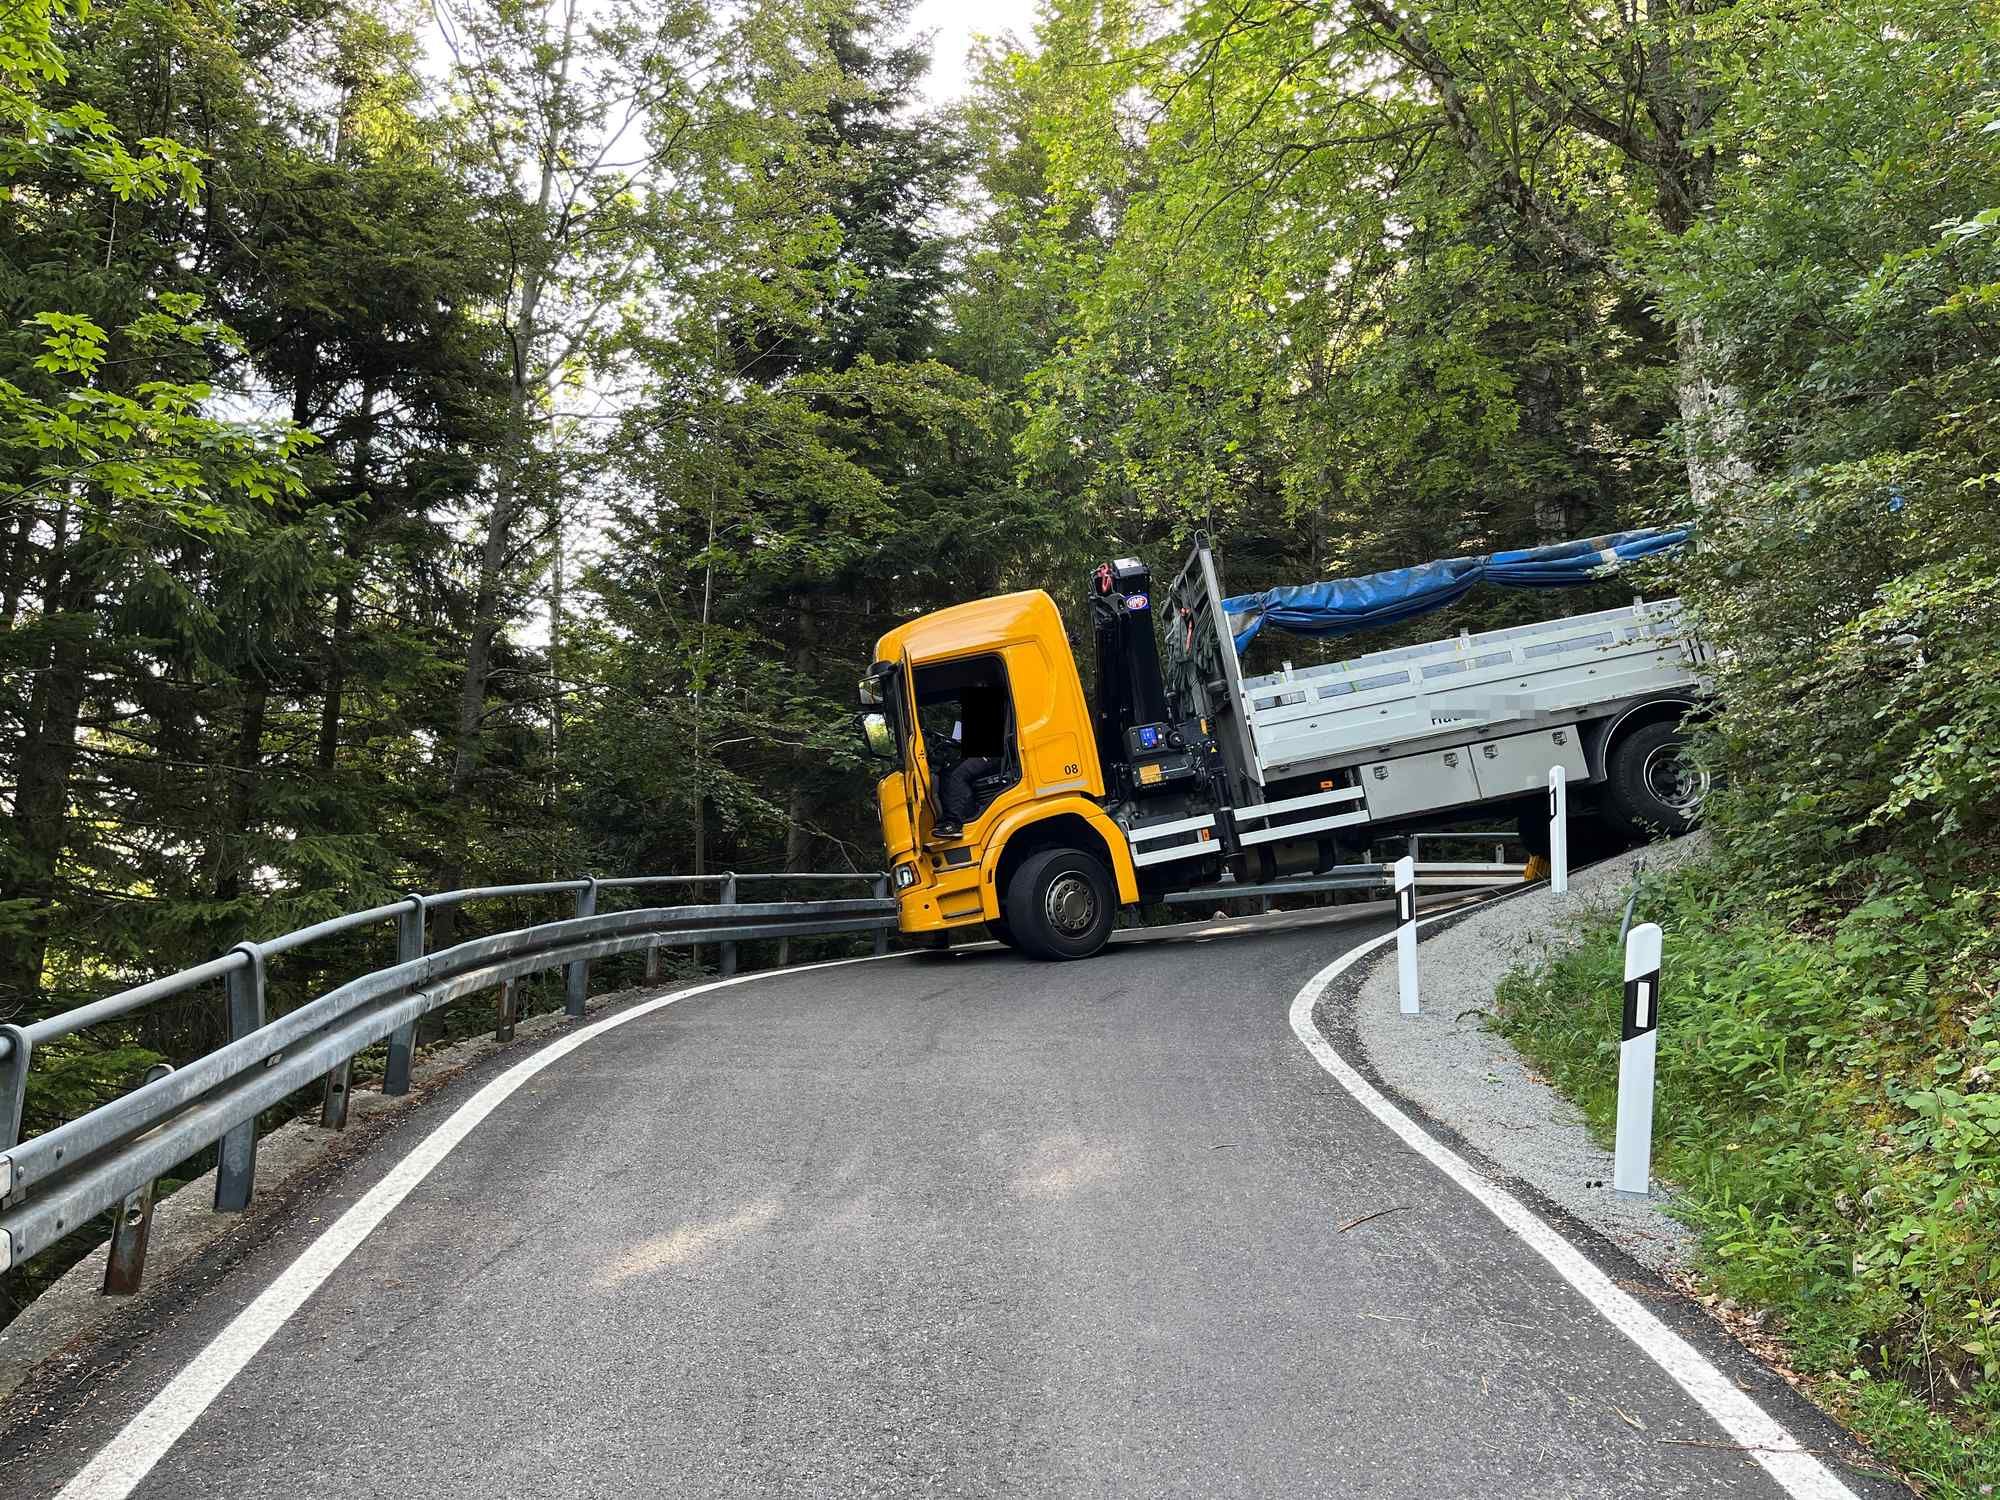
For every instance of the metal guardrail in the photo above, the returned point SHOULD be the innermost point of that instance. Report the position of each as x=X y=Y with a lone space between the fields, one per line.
x=110 y=1157
x=1472 y=876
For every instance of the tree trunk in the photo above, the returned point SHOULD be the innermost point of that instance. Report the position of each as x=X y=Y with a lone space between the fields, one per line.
x=20 y=557
x=1715 y=420
x=486 y=620
x=335 y=681
x=798 y=836
x=47 y=761
x=803 y=661
x=697 y=785
x=229 y=859
x=327 y=754
x=486 y=623
x=527 y=383
x=553 y=801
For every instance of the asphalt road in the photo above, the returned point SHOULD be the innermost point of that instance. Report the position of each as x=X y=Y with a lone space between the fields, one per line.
x=958 y=1225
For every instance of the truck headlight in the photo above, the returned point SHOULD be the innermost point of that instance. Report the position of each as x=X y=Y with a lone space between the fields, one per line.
x=906 y=876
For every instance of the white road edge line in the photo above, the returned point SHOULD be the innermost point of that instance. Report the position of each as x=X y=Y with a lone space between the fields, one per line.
x=1797 y=1472
x=123 y=1462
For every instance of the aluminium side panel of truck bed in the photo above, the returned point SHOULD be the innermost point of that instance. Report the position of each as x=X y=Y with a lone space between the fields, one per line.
x=1500 y=682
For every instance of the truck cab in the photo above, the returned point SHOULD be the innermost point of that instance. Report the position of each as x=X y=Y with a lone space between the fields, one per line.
x=999 y=669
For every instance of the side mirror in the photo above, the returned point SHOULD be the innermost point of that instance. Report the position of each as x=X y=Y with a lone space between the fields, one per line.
x=874 y=685
x=877 y=737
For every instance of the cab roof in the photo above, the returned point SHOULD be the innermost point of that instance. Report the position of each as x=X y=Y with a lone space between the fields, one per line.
x=980 y=624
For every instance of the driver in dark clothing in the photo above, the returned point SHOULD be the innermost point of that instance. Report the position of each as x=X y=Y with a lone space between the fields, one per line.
x=981 y=730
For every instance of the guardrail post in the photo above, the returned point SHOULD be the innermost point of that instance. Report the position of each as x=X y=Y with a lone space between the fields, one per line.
x=236 y=1169
x=727 y=966
x=125 y=1264
x=1638 y=1048
x=13 y=1096
x=333 y=1105
x=503 y=1027
x=576 y=973
x=403 y=1040
x=1406 y=934
x=881 y=933
x=1558 y=832
x=652 y=963
x=13 y=1088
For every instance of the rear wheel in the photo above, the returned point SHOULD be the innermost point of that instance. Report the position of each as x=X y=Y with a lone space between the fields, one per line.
x=1652 y=783
x=1060 y=904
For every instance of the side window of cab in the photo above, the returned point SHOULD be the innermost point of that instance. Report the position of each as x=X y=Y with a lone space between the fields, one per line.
x=966 y=711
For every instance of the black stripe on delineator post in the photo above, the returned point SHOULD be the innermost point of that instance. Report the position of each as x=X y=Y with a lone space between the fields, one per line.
x=1642 y=1005
x=1406 y=904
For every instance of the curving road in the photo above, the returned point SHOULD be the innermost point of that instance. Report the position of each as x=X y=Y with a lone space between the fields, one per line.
x=960 y=1225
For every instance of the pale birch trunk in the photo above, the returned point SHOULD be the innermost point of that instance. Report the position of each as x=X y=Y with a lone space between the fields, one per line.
x=1715 y=420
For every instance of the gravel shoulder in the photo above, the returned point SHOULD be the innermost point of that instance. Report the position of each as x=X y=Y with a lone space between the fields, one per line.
x=1466 y=1077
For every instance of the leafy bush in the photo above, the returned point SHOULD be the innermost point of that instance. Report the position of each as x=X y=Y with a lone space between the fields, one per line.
x=1829 y=1103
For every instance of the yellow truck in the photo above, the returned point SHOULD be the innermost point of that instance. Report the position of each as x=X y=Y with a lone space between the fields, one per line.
x=1180 y=774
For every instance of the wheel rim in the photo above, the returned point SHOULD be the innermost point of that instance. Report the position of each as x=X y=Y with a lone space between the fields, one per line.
x=1673 y=779
x=1070 y=904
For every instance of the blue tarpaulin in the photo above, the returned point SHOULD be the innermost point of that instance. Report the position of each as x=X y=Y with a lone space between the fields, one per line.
x=1341 y=606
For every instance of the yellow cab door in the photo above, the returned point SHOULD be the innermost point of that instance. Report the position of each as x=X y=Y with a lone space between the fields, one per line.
x=917 y=771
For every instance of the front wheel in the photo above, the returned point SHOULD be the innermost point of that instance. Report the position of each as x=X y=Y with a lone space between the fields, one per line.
x=1652 y=783
x=1060 y=904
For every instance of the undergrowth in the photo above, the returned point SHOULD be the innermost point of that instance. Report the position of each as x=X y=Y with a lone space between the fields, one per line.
x=1829 y=1114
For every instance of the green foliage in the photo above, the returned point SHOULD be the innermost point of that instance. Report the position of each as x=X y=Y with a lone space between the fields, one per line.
x=148 y=455
x=147 y=444
x=1303 y=317
x=75 y=137
x=1430 y=279
x=1829 y=1105
x=222 y=602
x=1855 y=594
x=815 y=457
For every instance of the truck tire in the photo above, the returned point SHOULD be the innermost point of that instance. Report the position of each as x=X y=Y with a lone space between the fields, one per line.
x=1001 y=933
x=1060 y=904
x=1651 y=784
x=1533 y=825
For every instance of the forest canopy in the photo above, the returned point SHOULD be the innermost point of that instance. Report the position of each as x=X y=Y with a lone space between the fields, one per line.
x=485 y=442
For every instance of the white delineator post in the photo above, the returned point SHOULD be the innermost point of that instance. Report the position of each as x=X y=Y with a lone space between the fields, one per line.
x=1632 y=1169
x=1558 y=832
x=1406 y=933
